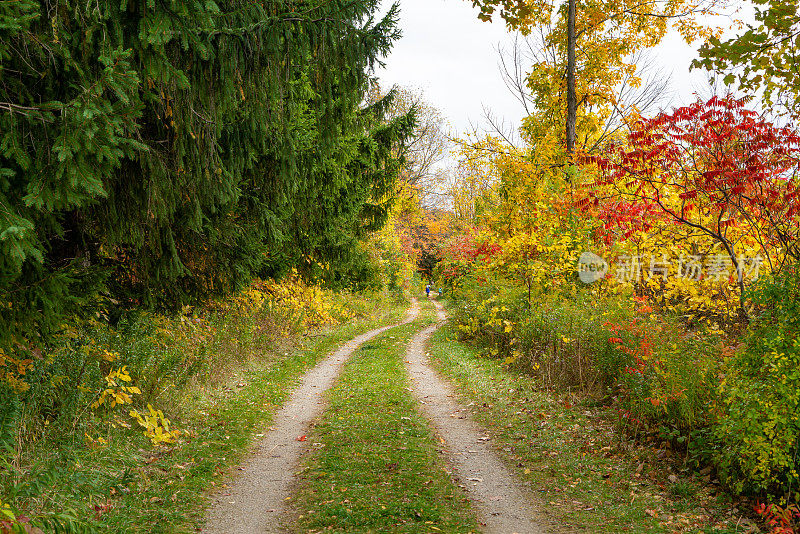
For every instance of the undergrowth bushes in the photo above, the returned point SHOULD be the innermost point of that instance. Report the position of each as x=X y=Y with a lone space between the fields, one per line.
x=151 y=358
x=655 y=373
x=560 y=342
x=726 y=400
x=98 y=379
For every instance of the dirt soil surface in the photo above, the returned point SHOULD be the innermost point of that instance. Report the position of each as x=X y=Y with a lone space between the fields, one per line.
x=255 y=502
x=504 y=504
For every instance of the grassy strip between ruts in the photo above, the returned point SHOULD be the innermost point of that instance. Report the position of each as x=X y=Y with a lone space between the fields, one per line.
x=588 y=480
x=128 y=486
x=373 y=465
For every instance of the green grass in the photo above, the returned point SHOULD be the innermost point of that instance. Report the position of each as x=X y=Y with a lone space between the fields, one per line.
x=130 y=486
x=375 y=465
x=588 y=480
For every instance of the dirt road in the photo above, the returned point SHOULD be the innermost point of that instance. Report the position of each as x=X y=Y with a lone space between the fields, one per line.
x=504 y=505
x=255 y=502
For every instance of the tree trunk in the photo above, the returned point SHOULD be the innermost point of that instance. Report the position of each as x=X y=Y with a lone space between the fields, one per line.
x=572 y=98
x=743 y=316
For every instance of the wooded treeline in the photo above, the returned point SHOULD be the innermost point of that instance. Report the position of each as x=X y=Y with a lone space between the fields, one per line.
x=158 y=151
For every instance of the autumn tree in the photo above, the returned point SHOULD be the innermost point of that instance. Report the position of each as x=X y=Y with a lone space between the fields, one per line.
x=764 y=58
x=638 y=92
x=425 y=153
x=595 y=44
x=516 y=13
x=471 y=184
x=714 y=169
x=418 y=218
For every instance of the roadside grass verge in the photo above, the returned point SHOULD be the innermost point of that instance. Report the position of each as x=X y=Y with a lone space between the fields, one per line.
x=122 y=483
x=373 y=464
x=588 y=479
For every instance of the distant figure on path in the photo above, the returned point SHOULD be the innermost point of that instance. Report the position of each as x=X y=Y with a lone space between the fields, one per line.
x=428 y=290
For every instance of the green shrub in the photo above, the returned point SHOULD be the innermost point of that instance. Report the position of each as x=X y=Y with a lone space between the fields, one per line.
x=758 y=429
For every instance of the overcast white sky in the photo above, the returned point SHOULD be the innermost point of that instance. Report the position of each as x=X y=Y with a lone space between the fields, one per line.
x=451 y=56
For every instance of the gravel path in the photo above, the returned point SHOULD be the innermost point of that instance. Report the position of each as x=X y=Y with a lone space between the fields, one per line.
x=503 y=504
x=255 y=503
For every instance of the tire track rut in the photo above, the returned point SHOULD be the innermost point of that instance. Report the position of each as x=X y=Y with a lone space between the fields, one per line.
x=503 y=503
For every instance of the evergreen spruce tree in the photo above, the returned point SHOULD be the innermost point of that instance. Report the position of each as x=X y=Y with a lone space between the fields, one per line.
x=159 y=152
